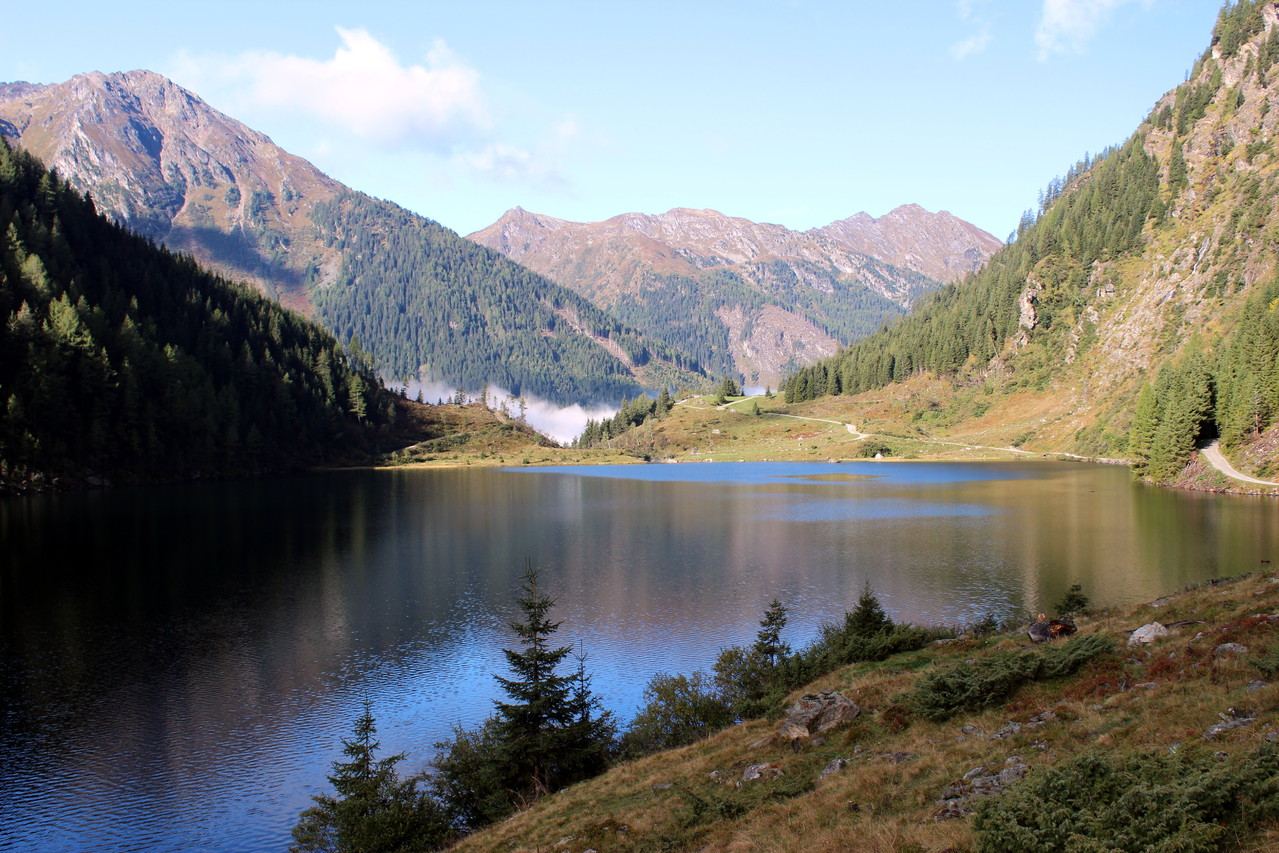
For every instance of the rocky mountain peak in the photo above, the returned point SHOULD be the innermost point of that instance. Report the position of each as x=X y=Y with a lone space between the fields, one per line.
x=812 y=290
x=939 y=245
x=161 y=161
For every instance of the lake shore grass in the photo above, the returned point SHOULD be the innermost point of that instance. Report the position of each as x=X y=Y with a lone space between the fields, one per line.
x=920 y=420
x=747 y=429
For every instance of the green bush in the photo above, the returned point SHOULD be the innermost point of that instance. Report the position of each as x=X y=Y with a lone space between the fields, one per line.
x=1187 y=802
x=994 y=679
x=865 y=634
x=678 y=710
x=1267 y=663
x=747 y=683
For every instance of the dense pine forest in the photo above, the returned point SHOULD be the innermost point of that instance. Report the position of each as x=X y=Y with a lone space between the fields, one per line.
x=1184 y=211
x=121 y=361
x=967 y=323
x=397 y=294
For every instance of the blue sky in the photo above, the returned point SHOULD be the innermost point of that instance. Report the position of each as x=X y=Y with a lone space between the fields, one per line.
x=796 y=112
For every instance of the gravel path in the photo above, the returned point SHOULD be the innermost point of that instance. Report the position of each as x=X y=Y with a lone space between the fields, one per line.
x=1213 y=454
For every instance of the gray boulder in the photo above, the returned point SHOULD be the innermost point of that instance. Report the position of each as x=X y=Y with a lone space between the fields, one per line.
x=817 y=713
x=1147 y=634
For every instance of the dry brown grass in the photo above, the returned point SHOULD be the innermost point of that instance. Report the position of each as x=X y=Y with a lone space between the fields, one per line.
x=900 y=764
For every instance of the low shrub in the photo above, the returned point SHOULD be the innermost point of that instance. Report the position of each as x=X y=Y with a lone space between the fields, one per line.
x=1074 y=601
x=1187 y=802
x=994 y=679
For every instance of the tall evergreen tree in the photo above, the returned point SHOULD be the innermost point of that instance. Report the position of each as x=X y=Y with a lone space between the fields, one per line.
x=1145 y=421
x=551 y=732
x=539 y=707
x=374 y=810
x=768 y=643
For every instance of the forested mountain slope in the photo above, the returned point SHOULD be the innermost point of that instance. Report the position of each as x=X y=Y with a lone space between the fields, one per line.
x=741 y=296
x=424 y=302
x=1137 y=306
x=122 y=361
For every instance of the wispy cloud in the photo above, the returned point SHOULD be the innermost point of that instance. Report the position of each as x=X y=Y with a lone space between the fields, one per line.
x=437 y=106
x=966 y=9
x=506 y=162
x=562 y=423
x=971 y=11
x=1067 y=25
x=973 y=44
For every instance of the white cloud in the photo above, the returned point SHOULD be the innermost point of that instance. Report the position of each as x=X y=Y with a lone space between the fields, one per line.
x=508 y=163
x=966 y=8
x=973 y=44
x=562 y=423
x=971 y=10
x=437 y=108
x=363 y=88
x=1066 y=25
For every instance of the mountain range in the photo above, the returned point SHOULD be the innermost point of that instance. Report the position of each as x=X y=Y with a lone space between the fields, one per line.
x=746 y=297
x=661 y=300
x=425 y=303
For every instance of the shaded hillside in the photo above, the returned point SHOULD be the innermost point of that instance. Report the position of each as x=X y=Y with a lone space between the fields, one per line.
x=122 y=361
x=424 y=303
x=1152 y=266
x=745 y=297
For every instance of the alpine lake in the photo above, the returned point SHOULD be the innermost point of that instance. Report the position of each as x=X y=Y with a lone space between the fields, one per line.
x=179 y=665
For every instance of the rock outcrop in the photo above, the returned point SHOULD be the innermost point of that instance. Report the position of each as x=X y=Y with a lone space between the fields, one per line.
x=817 y=713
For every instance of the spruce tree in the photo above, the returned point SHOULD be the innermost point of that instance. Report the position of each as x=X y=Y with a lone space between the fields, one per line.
x=551 y=732
x=529 y=724
x=768 y=643
x=1145 y=421
x=868 y=617
x=374 y=810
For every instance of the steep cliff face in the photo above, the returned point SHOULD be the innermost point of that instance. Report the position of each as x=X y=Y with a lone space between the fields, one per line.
x=821 y=287
x=1189 y=286
x=424 y=302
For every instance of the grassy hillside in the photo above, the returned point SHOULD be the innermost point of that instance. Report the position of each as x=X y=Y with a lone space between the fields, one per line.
x=1197 y=717
x=1157 y=257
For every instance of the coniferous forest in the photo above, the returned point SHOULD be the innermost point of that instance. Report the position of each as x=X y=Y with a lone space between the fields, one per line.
x=683 y=311
x=396 y=294
x=121 y=361
x=1081 y=223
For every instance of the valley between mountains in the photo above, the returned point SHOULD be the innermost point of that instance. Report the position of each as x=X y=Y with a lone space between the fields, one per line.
x=183 y=301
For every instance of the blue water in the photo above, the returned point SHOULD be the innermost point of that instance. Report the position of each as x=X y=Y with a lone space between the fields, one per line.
x=178 y=665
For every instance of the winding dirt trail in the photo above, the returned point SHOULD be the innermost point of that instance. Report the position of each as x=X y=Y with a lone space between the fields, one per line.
x=1215 y=458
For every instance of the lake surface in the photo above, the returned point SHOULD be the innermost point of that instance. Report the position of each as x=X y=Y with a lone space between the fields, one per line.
x=178 y=665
